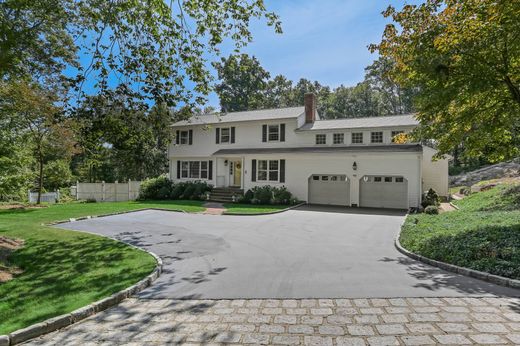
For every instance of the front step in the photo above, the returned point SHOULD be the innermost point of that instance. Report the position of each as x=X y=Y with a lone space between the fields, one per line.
x=225 y=194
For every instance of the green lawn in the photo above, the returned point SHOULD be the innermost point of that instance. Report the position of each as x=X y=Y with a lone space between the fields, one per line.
x=483 y=235
x=65 y=270
x=237 y=208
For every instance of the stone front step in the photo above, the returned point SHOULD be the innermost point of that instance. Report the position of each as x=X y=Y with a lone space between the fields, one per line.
x=225 y=194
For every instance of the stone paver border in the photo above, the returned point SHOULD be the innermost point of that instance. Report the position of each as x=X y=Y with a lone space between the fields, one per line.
x=77 y=315
x=496 y=279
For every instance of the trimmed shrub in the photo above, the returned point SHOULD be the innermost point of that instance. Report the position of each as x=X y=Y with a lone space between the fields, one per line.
x=192 y=190
x=281 y=195
x=432 y=210
x=156 y=188
x=248 y=197
x=430 y=198
x=262 y=194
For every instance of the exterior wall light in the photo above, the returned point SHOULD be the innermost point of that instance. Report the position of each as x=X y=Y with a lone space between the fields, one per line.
x=354 y=166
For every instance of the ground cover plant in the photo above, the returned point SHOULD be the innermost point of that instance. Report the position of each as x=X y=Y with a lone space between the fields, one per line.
x=64 y=270
x=484 y=234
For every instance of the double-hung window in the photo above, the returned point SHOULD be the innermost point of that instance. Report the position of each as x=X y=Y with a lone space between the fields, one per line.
x=194 y=169
x=273 y=132
x=376 y=137
x=338 y=138
x=321 y=138
x=357 y=137
x=184 y=135
x=225 y=135
x=268 y=170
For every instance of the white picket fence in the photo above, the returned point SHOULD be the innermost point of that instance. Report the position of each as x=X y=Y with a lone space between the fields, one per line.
x=47 y=197
x=107 y=192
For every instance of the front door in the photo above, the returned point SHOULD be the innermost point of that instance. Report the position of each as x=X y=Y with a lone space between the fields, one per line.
x=237 y=173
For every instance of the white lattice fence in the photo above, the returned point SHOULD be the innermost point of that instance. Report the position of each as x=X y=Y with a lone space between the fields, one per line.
x=107 y=192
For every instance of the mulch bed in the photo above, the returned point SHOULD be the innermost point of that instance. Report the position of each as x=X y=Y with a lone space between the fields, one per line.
x=7 y=246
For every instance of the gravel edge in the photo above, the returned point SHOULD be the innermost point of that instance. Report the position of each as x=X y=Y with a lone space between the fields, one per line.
x=495 y=279
x=58 y=322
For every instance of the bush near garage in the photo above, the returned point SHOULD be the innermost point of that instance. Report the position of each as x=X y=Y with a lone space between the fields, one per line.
x=431 y=210
x=268 y=194
x=431 y=197
x=156 y=188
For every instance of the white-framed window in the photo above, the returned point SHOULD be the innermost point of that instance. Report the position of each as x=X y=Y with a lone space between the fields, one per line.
x=357 y=137
x=338 y=138
x=378 y=179
x=225 y=135
x=395 y=133
x=376 y=137
x=273 y=133
x=185 y=169
x=388 y=179
x=268 y=170
x=195 y=169
x=321 y=138
x=184 y=135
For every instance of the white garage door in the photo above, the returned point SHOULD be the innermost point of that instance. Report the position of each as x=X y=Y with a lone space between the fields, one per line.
x=379 y=191
x=329 y=189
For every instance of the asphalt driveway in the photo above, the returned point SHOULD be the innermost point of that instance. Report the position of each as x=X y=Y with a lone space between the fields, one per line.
x=303 y=253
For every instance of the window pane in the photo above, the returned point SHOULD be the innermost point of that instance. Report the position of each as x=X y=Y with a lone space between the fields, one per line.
x=321 y=139
x=194 y=169
x=377 y=179
x=273 y=165
x=262 y=164
x=339 y=138
x=399 y=180
x=273 y=175
x=204 y=169
x=388 y=179
x=274 y=132
x=315 y=177
x=262 y=175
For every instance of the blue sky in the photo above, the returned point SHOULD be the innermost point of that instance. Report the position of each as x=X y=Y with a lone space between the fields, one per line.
x=323 y=40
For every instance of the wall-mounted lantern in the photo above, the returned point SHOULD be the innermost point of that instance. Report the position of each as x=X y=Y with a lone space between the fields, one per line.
x=354 y=166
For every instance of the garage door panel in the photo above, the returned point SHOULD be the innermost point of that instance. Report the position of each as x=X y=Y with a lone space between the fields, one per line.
x=383 y=192
x=329 y=189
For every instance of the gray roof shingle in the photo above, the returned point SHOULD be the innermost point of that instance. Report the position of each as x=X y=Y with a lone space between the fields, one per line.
x=350 y=123
x=262 y=114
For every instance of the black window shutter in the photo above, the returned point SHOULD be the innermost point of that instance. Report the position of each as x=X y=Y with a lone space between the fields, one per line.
x=253 y=170
x=264 y=133
x=178 y=169
x=233 y=134
x=178 y=137
x=210 y=170
x=282 y=171
x=190 y=137
x=217 y=138
x=282 y=132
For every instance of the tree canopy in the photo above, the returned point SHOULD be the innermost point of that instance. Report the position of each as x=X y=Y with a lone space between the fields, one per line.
x=149 y=49
x=463 y=57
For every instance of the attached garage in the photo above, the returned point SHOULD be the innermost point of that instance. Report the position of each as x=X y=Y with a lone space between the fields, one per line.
x=378 y=191
x=332 y=189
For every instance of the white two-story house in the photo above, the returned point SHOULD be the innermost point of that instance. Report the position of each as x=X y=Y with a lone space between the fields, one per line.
x=348 y=162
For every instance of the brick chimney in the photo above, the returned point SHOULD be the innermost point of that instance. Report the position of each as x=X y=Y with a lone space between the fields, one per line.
x=310 y=107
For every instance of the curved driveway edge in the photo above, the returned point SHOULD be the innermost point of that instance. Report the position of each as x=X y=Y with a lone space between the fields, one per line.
x=495 y=279
x=77 y=315
x=267 y=212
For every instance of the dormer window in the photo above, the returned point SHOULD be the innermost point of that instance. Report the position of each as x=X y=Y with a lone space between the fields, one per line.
x=338 y=138
x=321 y=138
x=357 y=137
x=376 y=137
